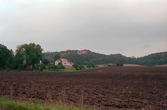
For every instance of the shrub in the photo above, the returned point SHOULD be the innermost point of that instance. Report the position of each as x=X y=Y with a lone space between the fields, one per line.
x=42 y=67
x=119 y=63
x=60 y=66
x=90 y=65
x=78 y=67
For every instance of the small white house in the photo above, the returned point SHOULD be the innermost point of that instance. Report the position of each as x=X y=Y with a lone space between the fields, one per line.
x=64 y=61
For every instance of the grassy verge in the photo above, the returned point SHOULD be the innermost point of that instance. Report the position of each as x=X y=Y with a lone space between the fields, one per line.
x=6 y=104
x=69 y=70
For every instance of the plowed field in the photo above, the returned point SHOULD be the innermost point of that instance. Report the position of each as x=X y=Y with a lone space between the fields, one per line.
x=109 y=88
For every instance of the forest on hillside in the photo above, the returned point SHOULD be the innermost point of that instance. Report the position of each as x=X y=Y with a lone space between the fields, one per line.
x=97 y=58
x=30 y=56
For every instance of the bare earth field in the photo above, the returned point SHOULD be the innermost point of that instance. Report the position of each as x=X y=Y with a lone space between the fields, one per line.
x=109 y=88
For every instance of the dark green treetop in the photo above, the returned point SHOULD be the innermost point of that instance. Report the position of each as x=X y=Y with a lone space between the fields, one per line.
x=6 y=57
x=31 y=53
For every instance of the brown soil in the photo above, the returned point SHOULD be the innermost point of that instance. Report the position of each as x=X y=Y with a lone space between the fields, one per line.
x=109 y=88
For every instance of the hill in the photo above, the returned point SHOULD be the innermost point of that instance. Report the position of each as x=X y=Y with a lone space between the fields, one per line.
x=97 y=58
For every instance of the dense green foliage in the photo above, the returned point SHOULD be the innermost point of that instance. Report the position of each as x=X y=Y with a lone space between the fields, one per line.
x=78 y=67
x=45 y=61
x=90 y=65
x=60 y=66
x=25 y=57
x=30 y=54
x=153 y=59
x=57 y=56
x=52 y=67
x=6 y=57
x=96 y=58
x=119 y=63
x=42 y=67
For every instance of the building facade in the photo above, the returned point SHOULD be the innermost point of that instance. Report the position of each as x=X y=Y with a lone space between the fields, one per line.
x=64 y=61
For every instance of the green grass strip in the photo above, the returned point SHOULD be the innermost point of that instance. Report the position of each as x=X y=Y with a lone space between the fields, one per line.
x=6 y=104
x=70 y=70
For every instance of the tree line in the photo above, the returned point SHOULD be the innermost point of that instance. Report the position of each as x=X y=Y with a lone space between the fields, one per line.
x=96 y=58
x=29 y=56
x=25 y=56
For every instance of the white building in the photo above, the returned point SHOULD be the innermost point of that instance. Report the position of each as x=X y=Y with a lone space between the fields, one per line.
x=64 y=61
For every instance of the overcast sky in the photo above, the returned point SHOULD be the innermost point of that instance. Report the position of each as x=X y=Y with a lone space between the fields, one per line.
x=130 y=27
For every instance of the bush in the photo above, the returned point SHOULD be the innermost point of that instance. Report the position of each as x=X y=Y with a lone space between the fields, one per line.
x=90 y=65
x=75 y=66
x=37 y=67
x=78 y=67
x=21 y=67
x=60 y=66
x=45 y=61
x=119 y=63
x=54 y=67
x=42 y=67
x=81 y=67
x=49 y=67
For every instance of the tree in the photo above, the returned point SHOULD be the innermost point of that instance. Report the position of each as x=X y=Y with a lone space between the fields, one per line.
x=90 y=65
x=54 y=67
x=42 y=67
x=119 y=63
x=57 y=56
x=30 y=54
x=75 y=66
x=45 y=61
x=60 y=66
x=78 y=67
x=6 y=57
x=51 y=66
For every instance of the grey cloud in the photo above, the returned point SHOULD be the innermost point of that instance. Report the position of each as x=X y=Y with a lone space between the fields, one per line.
x=109 y=26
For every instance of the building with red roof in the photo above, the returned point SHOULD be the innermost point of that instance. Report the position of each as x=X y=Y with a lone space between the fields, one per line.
x=65 y=62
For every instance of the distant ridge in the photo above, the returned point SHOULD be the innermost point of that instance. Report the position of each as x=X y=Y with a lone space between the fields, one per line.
x=153 y=59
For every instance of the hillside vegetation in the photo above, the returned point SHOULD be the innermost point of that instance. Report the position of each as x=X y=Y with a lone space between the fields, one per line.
x=97 y=58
